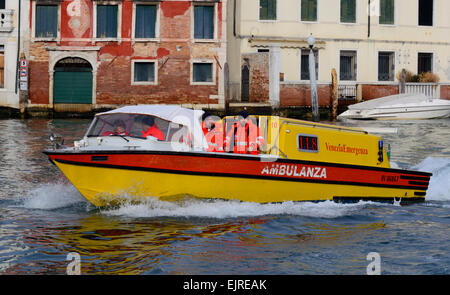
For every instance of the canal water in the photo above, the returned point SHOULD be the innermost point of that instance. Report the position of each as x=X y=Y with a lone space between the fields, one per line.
x=43 y=218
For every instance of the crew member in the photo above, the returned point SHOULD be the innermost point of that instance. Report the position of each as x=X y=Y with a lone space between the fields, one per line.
x=244 y=135
x=119 y=129
x=213 y=131
x=151 y=129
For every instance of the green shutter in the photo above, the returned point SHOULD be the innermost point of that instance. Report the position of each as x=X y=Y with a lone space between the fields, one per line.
x=268 y=9
x=46 y=24
x=348 y=11
x=106 y=21
x=309 y=10
x=387 y=12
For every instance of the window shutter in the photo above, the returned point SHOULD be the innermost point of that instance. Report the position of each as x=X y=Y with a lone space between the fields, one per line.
x=204 y=22
x=263 y=15
x=387 y=12
x=145 y=21
x=348 y=11
x=202 y=72
x=106 y=21
x=309 y=10
x=46 y=25
x=272 y=10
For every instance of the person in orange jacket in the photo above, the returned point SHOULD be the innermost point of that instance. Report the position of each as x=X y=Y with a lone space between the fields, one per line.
x=244 y=135
x=151 y=129
x=213 y=131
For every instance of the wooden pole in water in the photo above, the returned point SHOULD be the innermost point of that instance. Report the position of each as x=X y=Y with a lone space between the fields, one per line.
x=334 y=93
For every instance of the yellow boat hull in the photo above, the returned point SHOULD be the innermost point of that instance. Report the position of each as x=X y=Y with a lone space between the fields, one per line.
x=103 y=186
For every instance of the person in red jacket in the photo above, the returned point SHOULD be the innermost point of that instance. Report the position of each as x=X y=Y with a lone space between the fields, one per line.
x=213 y=131
x=151 y=129
x=244 y=136
x=119 y=129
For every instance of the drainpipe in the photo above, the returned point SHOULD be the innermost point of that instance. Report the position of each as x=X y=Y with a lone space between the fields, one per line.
x=234 y=18
x=18 y=45
x=368 y=20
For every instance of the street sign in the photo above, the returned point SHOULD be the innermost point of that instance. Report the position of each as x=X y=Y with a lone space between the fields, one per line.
x=23 y=72
x=23 y=86
x=23 y=63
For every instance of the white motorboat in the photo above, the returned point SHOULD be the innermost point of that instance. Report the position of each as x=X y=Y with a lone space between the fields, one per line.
x=398 y=107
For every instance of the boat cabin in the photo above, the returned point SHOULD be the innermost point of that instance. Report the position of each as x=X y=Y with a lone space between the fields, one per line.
x=172 y=128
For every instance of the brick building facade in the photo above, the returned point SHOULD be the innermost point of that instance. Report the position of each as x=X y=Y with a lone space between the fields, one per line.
x=86 y=54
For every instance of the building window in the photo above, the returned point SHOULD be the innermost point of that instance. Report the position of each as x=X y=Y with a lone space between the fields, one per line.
x=268 y=9
x=2 y=4
x=202 y=72
x=348 y=65
x=304 y=64
x=426 y=12
x=309 y=10
x=386 y=66
x=107 y=21
x=204 y=22
x=348 y=11
x=2 y=66
x=46 y=23
x=145 y=21
x=424 y=63
x=386 y=12
x=144 y=72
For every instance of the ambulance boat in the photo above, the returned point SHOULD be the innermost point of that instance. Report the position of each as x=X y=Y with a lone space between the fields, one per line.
x=299 y=161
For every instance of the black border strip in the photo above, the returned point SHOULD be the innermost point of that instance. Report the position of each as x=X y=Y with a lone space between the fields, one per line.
x=414 y=178
x=242 y=157
x=237 y=175
x=418 y=183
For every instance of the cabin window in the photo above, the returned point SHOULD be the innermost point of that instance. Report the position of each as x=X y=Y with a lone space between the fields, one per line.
x=307 y=143
x=107 y=21
x=304 y=66
x=386 y=66
x=348 y=65
x=204 y=22
x=426 y=12
x=348 y=11
x=309 y=10
x=133 y=125
x=202 y=72
x=145 y=21
x=268 y=9
x=144 y=71
x=46 y=23
x=386 y=12
x=425 y=62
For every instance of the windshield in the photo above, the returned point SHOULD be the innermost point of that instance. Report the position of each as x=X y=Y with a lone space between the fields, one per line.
x=135 y=125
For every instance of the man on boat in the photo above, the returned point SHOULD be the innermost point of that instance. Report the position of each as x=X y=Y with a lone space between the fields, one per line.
x=213 y=130
x=119 y=129
x=151 y=129
x=245 y=136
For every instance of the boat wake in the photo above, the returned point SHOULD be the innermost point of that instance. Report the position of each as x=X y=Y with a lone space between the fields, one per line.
x=439 y=187
x=50 y=196
x=154 y=207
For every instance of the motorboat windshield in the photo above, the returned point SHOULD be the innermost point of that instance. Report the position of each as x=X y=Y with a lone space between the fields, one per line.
x=156 y=122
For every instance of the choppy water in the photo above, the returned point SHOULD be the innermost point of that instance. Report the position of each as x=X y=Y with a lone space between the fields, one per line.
x=43 y=218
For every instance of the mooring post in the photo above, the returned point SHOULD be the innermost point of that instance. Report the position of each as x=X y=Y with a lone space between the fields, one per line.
x=334 y=94
x=312 y=79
